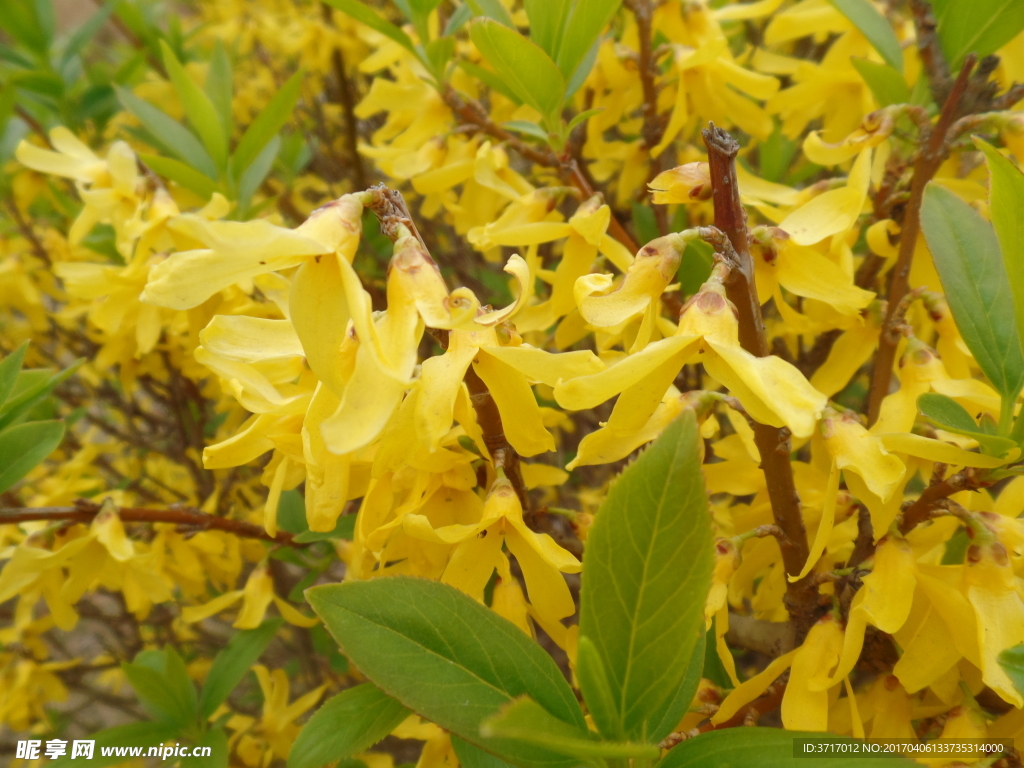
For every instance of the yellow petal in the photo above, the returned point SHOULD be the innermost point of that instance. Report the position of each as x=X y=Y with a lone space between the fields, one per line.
x=294 y=617
x=828 y=516
x=473 y=562
x=847 y=356
x=249 y=339
x=806 y=272
x=544 y=367
x=319 y=313
x=258 y=592
x=193 y=613
x=936 y=450
x=832 y=212
x=752 y=688
x=991 y=589
x=440 y=380
x=520 y=415
x=890 y=585
x=804 y=707
x=854 y=448
x=521 y=272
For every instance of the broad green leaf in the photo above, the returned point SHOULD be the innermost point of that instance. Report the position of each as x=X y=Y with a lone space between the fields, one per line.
x=492 y=9
x=490 y=79
x=547 y=23
x=765 y=748
x=219 y=84
x=372 y=19
x=524 y=66
x=145 y=734
x=172 y=134
x=672 y=711
x=1005 y=204
x=24 y=446
x=217 y=741
x=981 y=26
x=345 y=725
x=946 y=413
x=156 y=677
x=10 y=366
x=471 y=756
x=233 y=663
x=649 y=561
x=593 y=684
x=181 y=174
x=527 y=721
x=1012 y=662
x=198 y=108
x=887 y=85
x=875 y=27
x=970 y=265
x=21 y=20
x=258 y=170
x=444 y=656
x=266 y=125
x=586 y=24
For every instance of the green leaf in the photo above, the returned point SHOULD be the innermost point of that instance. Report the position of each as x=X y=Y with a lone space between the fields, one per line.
x=456 y=21
x=198 y=108
x=471 y=756
x=766 y=748
x=233 y=663
x=175 y=136
x=219 y=85
x=143 y=734
x=649 y=561
x=258 y=170
x=1012 y=662
x=444 y=656
x=586 y=23
x=672 y=711
x=181 y=174
x=217 y=741
x=886 y=84
x=10 y=366
x=547 y=23
x=30 y=388
x=372 y=19
x=438 y=53
x=585 y=115
x=24 y=446
x=524 y=66
x=345 y=725
x=1006 y=201
x=266 y=125
x=163 y=687
x=492 y=9
x=344 y=529
x=981 y=26
x=946 y=413
x=85 y=33
x=527 y=128
x=593 y=684
x=970 y=265
x=875 y=27
x=21 y=20
x=527 y=721
x=490 y=79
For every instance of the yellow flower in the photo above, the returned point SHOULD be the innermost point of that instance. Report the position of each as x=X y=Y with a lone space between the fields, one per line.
x=805 y=702
x=256 y=598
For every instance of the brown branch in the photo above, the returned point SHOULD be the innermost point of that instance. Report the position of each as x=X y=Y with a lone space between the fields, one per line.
x=929 y=158
x=29 y=234
x=84 y=511
x=472 y=113
x=347 y=101
x=932 y=497
x=772 y=442
x=930 y=51
x=32 y=123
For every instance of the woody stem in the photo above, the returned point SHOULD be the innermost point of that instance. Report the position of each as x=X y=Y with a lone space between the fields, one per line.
x=772 y=442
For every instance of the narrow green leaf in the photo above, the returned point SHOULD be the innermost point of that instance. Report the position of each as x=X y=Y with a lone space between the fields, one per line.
x=444 y=656
x=438 y=53
x=471 y=756
x=10 y=366
x=766 y=748
x=547 y=23
x=266 y=125
x=198 y=108
x=233 y=663
x=492 y=9
x=345 y=529
x=143 y=734
x=85 y=33
x=946 y=413
x=458 y=19
x=372 y=19
x=30 y=387
x=597 y=694
x=1012 y=662
x=524 y=66
x=217 y=741
x=219 y=85
x=665 y=721
x=981 y=26
x=175 y=136
x=580 y=75
x=875 y=27
x=20 y=20
x=345 y=725
x=490 y=79
x=527 y=128
x=22 y=447
x=258 y=170
x=181 y=174
x=970 y=265
x=527 y=721
x=585 y=115
x=649 y=561
x=587 y=22
x=1005 y=204
x=181 y=685
x=887 y=85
